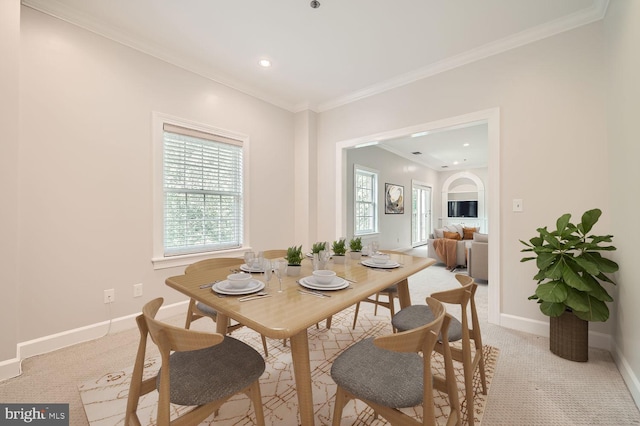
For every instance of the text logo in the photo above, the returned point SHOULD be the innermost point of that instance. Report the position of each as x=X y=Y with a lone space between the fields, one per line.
x=34 y=414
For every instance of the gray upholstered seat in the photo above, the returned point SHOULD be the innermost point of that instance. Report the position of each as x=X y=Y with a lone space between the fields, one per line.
x=415 y=316
x=385 y=377
x=205 y=375
x=206 y=309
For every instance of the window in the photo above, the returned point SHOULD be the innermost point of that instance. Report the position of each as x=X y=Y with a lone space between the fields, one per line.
x=200 y=177
x=366 y=206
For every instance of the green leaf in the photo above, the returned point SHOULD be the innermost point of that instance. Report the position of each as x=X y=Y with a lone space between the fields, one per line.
x=574 y=280
x=562 y=222
x=552 y=309
x=577 y=300
x=552 y=291
x=554 y=272
x=545 y=260
x=598 y=311
x=589 y=218
x=587 y=264
x=597 y=290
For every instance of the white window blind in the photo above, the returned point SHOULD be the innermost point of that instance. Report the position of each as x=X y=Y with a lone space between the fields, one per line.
x=365 y=197
x=202 y=185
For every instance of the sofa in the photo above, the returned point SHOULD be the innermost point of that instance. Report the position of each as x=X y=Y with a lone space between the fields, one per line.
x=463 y=237
x=478 y=257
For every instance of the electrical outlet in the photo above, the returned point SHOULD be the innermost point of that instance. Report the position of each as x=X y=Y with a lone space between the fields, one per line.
x=109 y=296
x=137 y=290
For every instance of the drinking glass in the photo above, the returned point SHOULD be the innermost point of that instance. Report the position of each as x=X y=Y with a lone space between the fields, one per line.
x=279 y=270
x=374 y=247
x=268 y=270
x=249 y=256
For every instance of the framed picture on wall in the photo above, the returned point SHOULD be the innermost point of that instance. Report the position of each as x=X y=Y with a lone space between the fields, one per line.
x=393 y=198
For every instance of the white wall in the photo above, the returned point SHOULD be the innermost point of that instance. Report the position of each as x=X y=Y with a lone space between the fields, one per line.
x=85 y=171
x=551 y=100
x=9 y=123
x=394 y=229
x=622 y=41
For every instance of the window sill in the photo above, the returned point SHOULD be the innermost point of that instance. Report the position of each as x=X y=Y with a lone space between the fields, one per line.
x=188 y=259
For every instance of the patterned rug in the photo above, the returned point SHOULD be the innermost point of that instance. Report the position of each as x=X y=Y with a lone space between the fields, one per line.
x=105 y=398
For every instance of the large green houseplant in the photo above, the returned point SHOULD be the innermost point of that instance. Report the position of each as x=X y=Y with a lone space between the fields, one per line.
x=571 y=270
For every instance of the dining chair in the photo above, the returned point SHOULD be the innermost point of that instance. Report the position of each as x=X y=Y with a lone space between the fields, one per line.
x=390 y=293
x=274 y=254
x=197 y=369
x=465 y=331
x=394 y=371
x=198 y=310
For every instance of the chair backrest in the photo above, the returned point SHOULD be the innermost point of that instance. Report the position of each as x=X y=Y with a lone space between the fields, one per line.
x=274 y=254
x=423 y=339
x=218 y=262
x=168 y=338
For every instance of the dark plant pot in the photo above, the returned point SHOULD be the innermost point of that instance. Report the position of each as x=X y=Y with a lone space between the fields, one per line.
x=569 y=337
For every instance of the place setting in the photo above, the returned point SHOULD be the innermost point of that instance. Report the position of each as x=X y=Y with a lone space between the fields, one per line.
x=240 y=284
x=380 y=260
x=254 y=263
x=322 y=280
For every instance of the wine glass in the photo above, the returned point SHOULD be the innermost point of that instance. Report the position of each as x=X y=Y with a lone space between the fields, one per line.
x=279 y=270
x=268 y=270
x=249 y=257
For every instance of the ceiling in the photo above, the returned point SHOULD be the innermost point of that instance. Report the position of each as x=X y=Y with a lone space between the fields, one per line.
x=322 y=58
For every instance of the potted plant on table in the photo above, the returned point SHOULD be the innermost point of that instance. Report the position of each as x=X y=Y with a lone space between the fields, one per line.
x=294 y=259
x=356 y=247
x=571 y=269
x=318 y=247
x=339 y=249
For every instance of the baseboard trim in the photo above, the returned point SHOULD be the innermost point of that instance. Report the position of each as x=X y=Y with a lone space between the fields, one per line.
x=12 y=367
x=628 y=375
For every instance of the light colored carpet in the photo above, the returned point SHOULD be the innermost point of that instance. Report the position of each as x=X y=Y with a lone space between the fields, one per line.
x=104 y=398
x=531 y=386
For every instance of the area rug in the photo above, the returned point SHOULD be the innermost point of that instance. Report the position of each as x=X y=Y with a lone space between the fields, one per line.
x=105 y=398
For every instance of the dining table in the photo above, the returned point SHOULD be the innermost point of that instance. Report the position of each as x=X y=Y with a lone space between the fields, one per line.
x=289 y=313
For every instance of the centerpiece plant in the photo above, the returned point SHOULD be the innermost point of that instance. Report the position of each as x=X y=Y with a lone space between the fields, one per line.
x=318 y=247
x=294 y=259
x=571 y=271
x=339 y=249
x=355 y=245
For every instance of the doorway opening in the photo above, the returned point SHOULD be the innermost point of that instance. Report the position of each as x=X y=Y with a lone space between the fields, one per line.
x=420 y=213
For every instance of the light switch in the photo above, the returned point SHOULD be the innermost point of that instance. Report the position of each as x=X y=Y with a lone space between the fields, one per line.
x=517 y=204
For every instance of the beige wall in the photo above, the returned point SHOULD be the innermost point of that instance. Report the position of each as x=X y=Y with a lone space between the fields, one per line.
x=551 y=100
x=9 y=123
x=86 y=171
x=623 y=61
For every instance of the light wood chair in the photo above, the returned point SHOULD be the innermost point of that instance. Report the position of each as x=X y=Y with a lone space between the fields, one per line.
x=466 y=330
x=388 y=373
x=390 y=293
x=198 y=369
x=274 y=254
x=198 y=310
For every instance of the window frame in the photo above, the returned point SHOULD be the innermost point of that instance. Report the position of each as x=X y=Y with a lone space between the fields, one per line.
x=375 y=199
x=159 y=259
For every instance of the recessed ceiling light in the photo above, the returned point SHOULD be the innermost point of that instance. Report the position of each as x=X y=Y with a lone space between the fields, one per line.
x=456 y=163
x=362 y=145
x=265 y=63
x=415 y=135
x=465 y=144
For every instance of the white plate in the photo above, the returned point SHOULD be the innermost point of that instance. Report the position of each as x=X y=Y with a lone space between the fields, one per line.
x=337 y=284
x=223 y=287
x=247 y=268
x=388 y=265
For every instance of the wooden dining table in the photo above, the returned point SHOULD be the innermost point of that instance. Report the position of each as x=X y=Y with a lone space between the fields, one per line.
x=288 y=314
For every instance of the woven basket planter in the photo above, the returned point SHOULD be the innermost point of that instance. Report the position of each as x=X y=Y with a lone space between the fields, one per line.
x=569 y=337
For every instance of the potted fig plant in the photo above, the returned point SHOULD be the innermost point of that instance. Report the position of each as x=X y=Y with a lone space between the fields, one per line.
x=339 y=249
x=355 y=245
x=571 y=270
x=294 y=259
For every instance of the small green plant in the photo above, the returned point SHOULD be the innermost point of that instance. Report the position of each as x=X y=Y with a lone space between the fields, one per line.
x=355 y=244
x=339 y=247
x=571 y=268
x=294 y=255
x=318 y=247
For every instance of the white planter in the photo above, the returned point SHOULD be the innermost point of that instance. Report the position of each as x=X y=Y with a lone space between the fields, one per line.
x=356 y=255
x=338 y=259
x=293 y=270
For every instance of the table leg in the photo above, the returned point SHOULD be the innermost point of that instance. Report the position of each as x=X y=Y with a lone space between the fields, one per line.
x=221 y=323
x=302 y=373
x=403 y=293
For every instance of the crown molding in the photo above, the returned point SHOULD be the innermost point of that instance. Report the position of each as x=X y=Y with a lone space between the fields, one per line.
x=594 y=13
x=59 y=10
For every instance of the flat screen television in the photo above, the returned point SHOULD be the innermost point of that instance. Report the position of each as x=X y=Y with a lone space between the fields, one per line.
x=458 y=208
